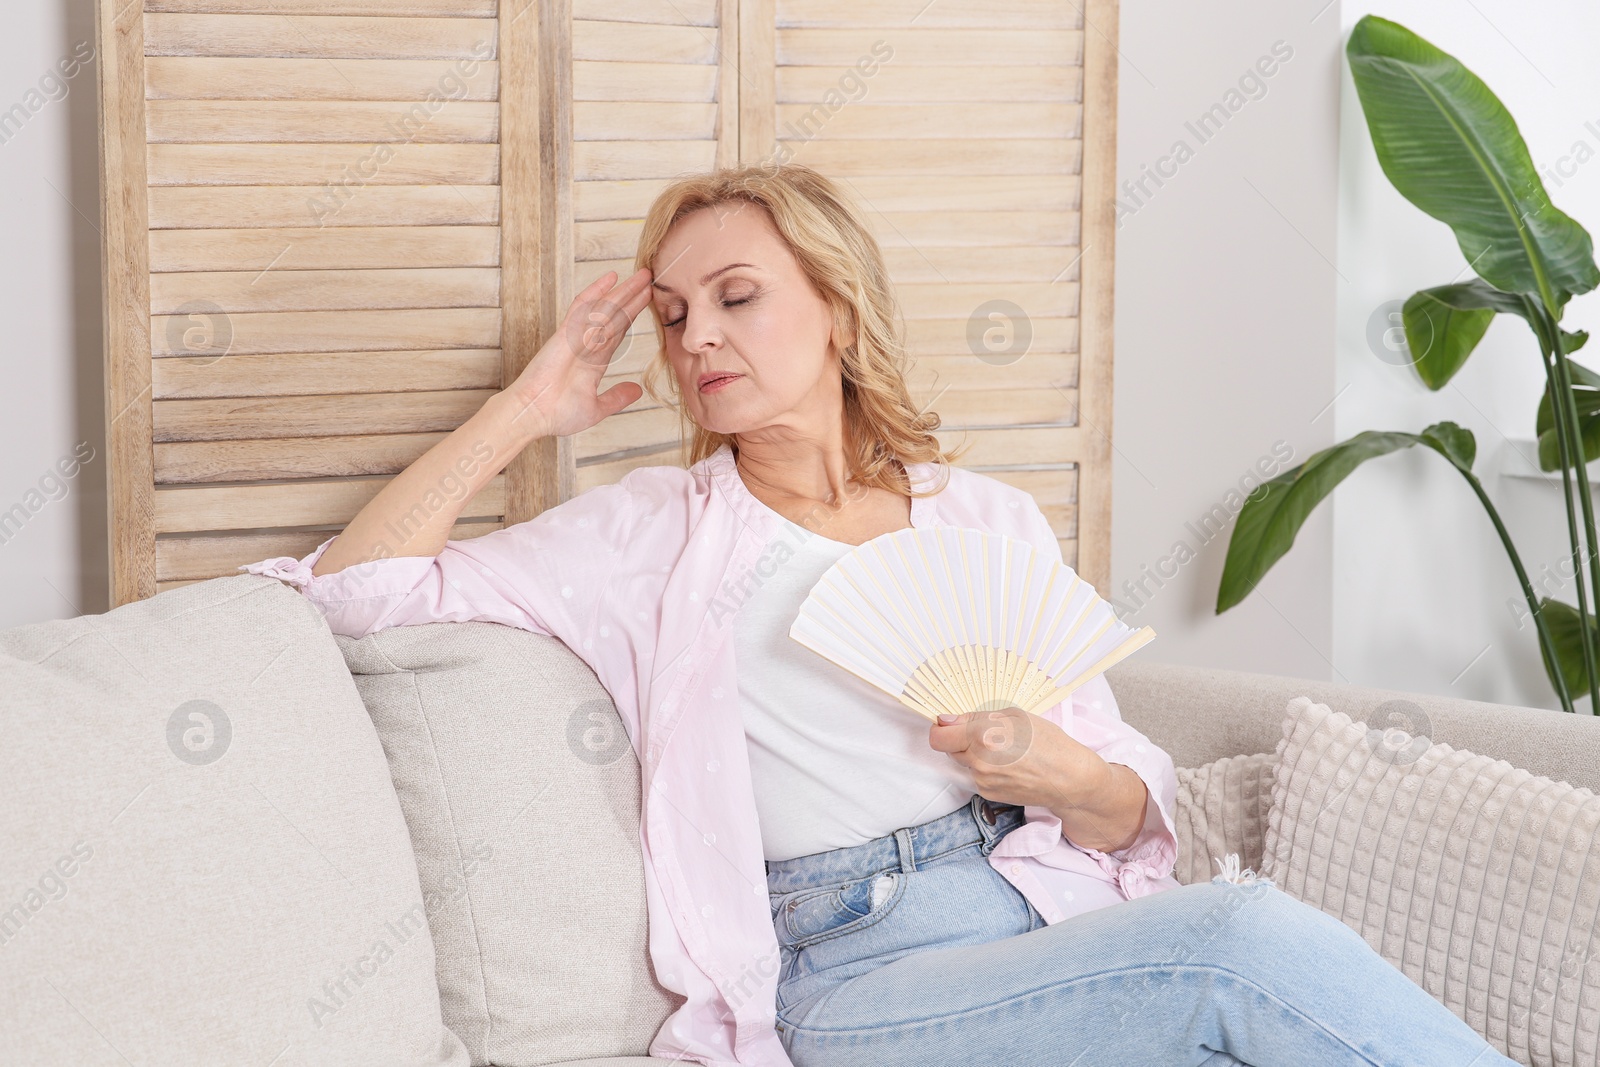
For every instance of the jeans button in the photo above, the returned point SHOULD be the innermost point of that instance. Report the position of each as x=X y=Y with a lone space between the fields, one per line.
x=988 y=812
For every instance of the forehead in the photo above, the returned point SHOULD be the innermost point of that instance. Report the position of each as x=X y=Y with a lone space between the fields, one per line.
x=712 y=237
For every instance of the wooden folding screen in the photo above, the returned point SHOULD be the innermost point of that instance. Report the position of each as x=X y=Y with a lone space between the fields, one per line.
x=334 y=227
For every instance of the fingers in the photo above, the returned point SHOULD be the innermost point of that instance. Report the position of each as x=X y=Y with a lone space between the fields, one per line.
x=596 y=287
x=948 y=738
x=626 y=290
x=633 y=294
x=619 y=396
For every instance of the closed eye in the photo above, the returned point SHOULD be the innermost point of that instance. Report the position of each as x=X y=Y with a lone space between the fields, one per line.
x=725 y=303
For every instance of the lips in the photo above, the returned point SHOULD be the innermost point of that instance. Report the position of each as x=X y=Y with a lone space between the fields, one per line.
x=715 y=378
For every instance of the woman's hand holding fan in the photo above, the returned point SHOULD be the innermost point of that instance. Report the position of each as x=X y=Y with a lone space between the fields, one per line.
x=982 y=633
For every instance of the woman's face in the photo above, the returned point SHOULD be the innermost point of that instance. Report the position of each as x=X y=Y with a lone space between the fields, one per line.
x=733 y=299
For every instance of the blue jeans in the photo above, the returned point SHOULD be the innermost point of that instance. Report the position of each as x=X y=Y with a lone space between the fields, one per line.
x=911 y=949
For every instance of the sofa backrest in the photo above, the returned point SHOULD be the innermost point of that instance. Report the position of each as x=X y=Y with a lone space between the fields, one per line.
x=521 y=790
x=1200 y=714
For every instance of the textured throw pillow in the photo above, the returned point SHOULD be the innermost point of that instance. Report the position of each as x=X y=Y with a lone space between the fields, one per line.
x=522 y=793
x=1221 y=810
x=202 y=859
x=1479 y=880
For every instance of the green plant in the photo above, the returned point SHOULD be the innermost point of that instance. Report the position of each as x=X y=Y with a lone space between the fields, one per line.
x=1448 y=144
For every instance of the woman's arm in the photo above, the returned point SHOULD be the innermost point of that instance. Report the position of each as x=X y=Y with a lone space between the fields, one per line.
x=1109 y=815
x=555 y=395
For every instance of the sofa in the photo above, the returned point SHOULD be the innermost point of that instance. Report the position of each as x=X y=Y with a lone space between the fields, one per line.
x=232 y=836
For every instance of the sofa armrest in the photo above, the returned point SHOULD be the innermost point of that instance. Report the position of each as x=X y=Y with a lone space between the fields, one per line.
x=1200 y=714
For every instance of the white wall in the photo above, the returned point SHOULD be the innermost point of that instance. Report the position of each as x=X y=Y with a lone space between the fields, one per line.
x=52 y=565
x=1225 y=313
x=1424 y=598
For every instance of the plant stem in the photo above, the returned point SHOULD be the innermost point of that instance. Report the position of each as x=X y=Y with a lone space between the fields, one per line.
x=1585 y=495
x=1546 y=643
x=1549 y=347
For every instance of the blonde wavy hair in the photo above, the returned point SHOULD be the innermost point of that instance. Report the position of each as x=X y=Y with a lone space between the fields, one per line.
x=841 y=258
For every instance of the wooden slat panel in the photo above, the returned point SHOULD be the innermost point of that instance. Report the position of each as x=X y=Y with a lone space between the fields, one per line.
x=898 y=122
x=310 y=121
x=328 y=290
x=1012 y=447
x=614 y=200
x=634 y=427
x=1054 y=486
x=664 y=12
x=960 y=408
x=125 y=280
x=895 y=229
x=319 y=36
x=295 y=457
x=1042 y=371
x=951 y=155
x=729 y=89
x=997 y=49
x=626 y=41
x=317 y=164
x=1015 y=263
x=313 y=373
x=605 y=472
x=237 y=418
x=601 y=160
x=637 y=120
x=757 y=81
x=949 y=336
x=1099 y=240
x=687 y=82
x=247 y=78
x=537 y=227
x=894 y=83
x=293 y=331
x=201 y=207
x=953 y=301
x=193 y=509
x=963 y=192
x=608 y=240
x=336 y=247
x=893 y=14
x=180 y=560
x=407 y=8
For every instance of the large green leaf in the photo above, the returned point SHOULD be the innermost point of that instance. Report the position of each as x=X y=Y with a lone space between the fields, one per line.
x=1444 y=324
x=1587 y=400
x=1585 y=394
x=1450 y=147
x=1274 y=513
x=1562 y=621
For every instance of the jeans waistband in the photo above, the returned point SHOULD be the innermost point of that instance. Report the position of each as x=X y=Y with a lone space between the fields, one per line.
x=978 y=822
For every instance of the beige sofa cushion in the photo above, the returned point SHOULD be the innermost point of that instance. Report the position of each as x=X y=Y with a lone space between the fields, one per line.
x=1221 y=809
x=1477 y=879
x=202 y=860
x=522 y=793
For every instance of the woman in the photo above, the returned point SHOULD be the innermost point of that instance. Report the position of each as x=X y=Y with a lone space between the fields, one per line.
x=993 y=889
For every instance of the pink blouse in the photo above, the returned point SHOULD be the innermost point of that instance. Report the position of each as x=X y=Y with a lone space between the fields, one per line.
x=642 y=580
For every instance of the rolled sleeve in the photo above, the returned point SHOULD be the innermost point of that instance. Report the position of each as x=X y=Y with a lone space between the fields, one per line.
x=547 y=575
x=1096 y=722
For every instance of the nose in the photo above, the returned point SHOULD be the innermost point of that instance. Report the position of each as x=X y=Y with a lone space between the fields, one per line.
x=700 y=332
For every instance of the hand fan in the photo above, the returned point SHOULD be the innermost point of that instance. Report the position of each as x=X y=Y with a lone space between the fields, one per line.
x=950 y=619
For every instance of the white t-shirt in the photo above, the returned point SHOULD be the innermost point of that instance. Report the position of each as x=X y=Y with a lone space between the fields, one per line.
x=835 y=761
